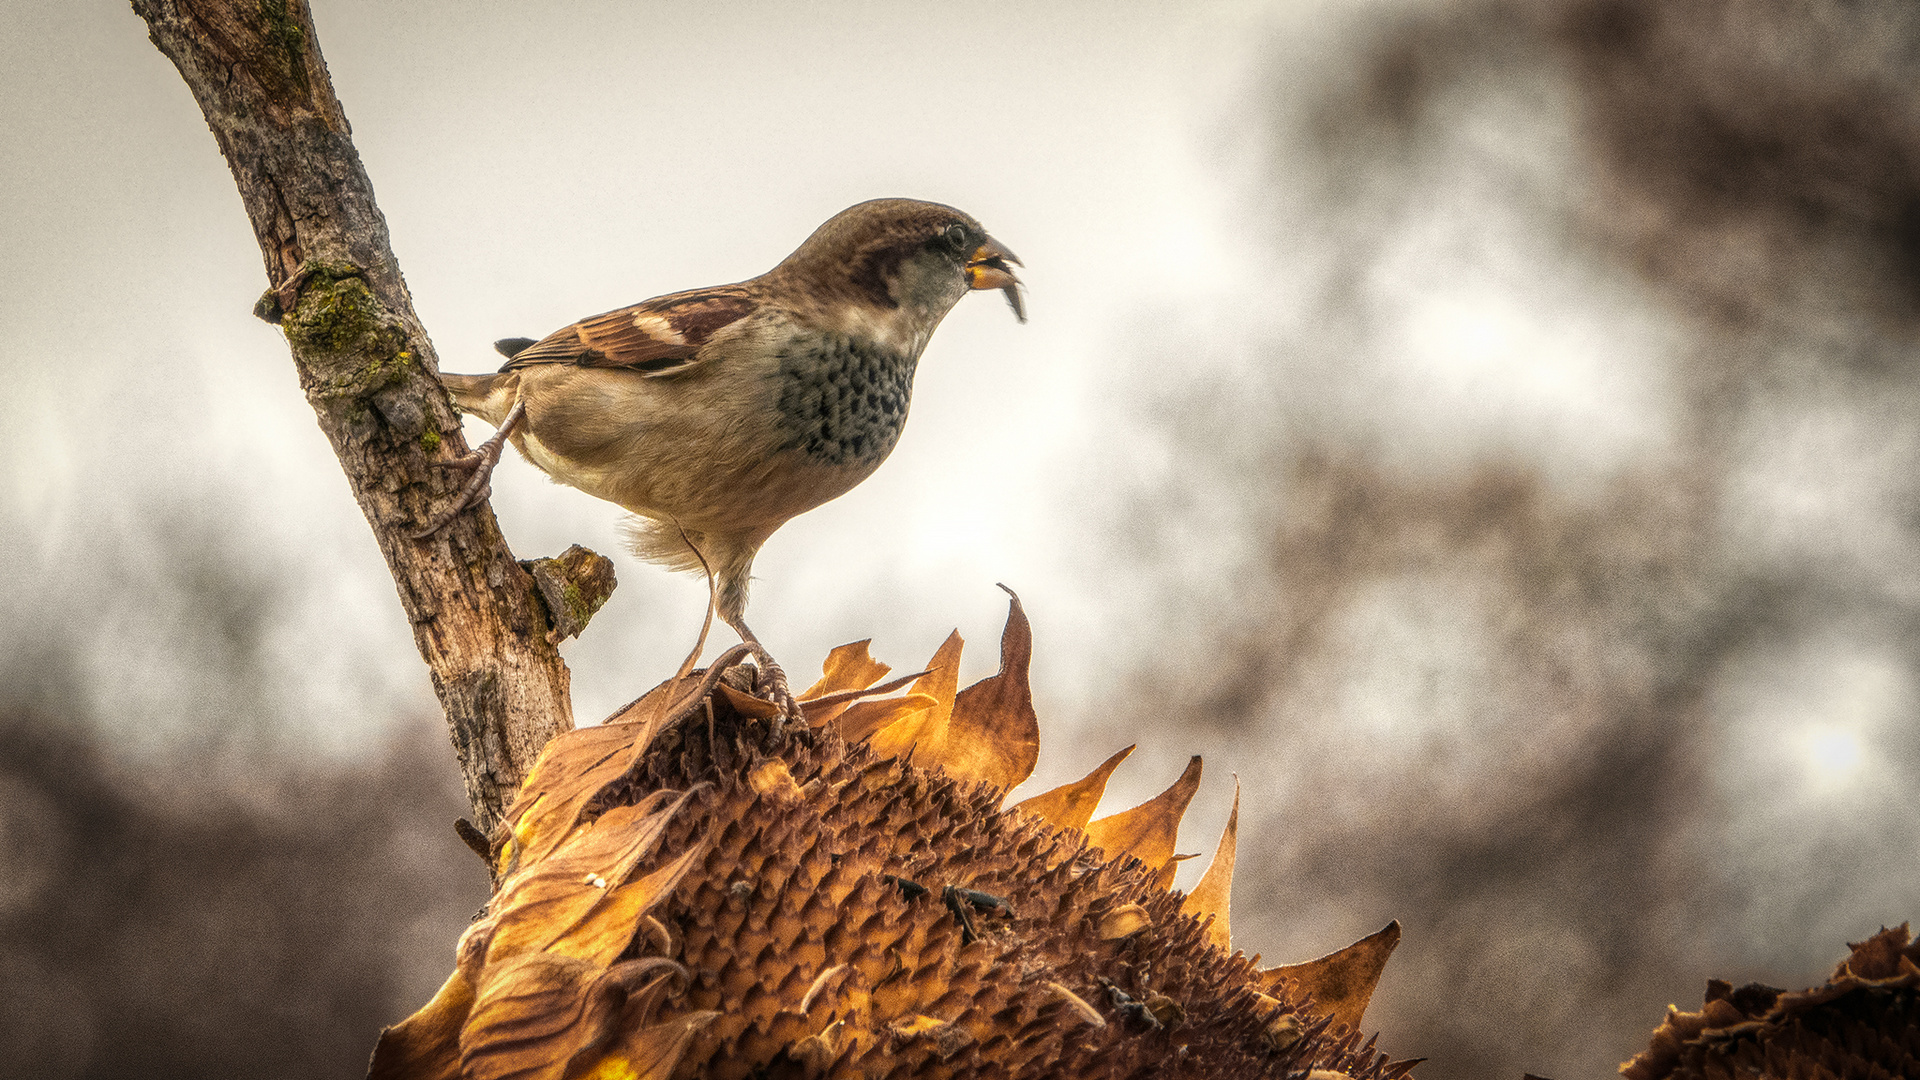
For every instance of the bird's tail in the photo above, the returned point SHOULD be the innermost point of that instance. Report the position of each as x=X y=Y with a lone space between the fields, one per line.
x=691 y=551
x=486 y=396
x=664 y=543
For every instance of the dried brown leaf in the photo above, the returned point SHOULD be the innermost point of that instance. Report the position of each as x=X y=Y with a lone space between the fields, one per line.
x=1214 y=894
x=994 y=734
x=1163 y=879
x=1071 y=806
x=987 y=733
x=534 y=1014
x=1147 y=831
x=570 y=770
x=848 y=668
x=895 y=720
x=746 y=704
x=819 y=711
x=655 y=934
x=1341 y=982
x=426 y=1045
x=552 y=898
x=862 y=719
x=575 y=766
x=605 y=931
x=650 y=1053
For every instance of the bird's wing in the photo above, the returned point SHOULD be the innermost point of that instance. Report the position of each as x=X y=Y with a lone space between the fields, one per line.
x=656 y=337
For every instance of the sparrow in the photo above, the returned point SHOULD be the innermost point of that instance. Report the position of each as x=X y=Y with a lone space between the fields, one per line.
x=716 y=415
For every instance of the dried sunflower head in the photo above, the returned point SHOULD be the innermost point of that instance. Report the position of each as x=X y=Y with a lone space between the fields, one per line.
x=693 y=890
x=1863 y=1023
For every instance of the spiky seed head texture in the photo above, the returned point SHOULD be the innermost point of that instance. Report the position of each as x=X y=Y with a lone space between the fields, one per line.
x=689 y=890
x=1863 y=1023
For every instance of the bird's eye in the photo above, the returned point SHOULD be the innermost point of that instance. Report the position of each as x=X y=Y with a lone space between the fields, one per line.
x=956 y=236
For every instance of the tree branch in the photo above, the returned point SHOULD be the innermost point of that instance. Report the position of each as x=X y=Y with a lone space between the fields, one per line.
x=371 y=375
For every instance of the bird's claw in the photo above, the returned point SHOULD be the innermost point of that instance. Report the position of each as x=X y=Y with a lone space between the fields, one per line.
x=773 y=686
x=480 y=461
x=477 y=490
x=472 y=459
x=778 y=692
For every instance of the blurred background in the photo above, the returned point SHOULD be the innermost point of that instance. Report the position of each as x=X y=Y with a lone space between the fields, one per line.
x=1486 y=427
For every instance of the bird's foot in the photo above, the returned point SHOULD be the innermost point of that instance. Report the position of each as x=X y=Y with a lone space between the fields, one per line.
x=481 y=462
x=772 y=683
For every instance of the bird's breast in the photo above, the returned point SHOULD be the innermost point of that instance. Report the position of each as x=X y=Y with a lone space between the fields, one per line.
x=842 y=401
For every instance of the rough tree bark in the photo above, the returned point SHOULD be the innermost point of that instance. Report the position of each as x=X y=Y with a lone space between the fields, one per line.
x=371 y=375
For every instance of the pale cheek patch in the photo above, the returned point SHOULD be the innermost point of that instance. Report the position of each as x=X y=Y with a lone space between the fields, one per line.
x=891 y=329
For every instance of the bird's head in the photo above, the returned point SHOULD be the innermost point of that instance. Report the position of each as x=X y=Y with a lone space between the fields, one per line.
x=904 y=260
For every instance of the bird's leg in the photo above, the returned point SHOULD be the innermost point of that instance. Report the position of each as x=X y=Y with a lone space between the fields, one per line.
x=778 y=690
x=481 y=460
x=727 y=597
x=700 y=646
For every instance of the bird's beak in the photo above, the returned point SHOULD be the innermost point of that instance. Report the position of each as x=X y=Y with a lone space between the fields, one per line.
x=988 y=269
